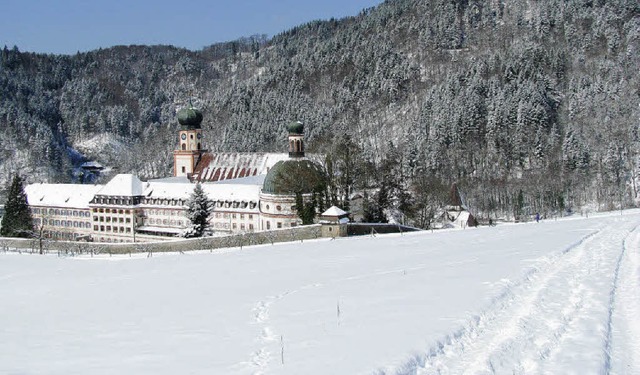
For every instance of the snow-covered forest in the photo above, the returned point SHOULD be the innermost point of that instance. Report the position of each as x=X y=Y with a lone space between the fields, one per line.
x=530 y=106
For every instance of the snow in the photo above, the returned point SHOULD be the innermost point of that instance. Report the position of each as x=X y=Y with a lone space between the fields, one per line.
x=123 y=185
x=555 y=297
x=61 y=195
x=334 y=211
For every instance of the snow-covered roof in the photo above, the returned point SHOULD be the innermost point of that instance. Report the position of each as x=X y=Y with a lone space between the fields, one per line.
x=175 y=180
x=232 y=192
x=219 y=166
x=251 y=180
x=92 y=164
x=61 y=195
x=334 y=211
x=123 y=185
x=215 y=191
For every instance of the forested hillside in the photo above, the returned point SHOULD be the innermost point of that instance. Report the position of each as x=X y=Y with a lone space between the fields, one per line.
x=527 y=105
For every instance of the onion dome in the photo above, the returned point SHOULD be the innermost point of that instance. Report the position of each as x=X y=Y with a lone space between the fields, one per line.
x=288 y=177
x=296 y=127
x=190 y=118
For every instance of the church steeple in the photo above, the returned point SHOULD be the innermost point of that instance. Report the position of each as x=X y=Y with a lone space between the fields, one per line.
x=190 y=148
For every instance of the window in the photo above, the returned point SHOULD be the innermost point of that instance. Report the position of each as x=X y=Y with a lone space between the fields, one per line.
x=250 y=217
x=268 y=225
x=128 y=230
x=233 y=216
x=101 y=218
x=241 y=226
x=95 y=228
x=234 y=226
x=128 y=220
x=279 y=208
x=241 y=216
x=294 y=224
x=279 y=225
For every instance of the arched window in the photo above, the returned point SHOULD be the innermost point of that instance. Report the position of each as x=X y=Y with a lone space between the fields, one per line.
x=198 y=145
x=184 y=146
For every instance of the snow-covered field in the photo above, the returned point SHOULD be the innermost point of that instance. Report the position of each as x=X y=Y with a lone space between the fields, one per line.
x=556 y=297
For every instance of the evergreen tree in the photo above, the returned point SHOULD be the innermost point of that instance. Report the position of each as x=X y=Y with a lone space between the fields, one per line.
x=198 y=212
x=17 y=220
x=306 y=211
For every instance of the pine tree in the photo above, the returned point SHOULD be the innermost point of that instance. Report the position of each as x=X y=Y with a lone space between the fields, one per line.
x=198 y=212
x=17 y=220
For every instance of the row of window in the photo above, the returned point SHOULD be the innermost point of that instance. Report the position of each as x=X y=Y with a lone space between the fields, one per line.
x=59 y=212
x=233 y=226
x=235 y=204
x=128 y=201
x=225 y=215
x=109 y=228
x=110 y=219
x=62 y=223
x=111 y=211
x=163 y=202
x=152 y=221
x=167 y=212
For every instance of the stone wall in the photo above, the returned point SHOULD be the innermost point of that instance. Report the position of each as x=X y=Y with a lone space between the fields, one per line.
x=204 y=243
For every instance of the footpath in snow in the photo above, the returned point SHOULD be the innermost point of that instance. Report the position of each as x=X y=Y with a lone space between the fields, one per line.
x=548 y=298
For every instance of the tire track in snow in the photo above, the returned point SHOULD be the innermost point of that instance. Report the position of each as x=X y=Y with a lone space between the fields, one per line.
x=477 y=347
x=536 y=324
x=623 y=331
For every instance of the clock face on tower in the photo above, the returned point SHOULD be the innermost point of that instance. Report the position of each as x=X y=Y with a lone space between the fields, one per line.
x=183 y=136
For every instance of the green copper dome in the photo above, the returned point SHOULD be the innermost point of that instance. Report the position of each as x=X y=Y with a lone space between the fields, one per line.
x=296 y=127
x=293 y=176
x=190 y=117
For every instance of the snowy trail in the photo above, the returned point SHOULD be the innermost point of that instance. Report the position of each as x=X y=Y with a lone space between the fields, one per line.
x=625 y=328
x=531 y=326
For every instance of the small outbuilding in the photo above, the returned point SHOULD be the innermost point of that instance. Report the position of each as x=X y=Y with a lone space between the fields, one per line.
x=334 y=222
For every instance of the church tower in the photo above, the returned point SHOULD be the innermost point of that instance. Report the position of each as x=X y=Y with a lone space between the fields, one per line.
x=190 y=148
x=296 y=139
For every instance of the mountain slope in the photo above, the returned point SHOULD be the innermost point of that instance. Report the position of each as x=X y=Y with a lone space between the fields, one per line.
x=494 y=95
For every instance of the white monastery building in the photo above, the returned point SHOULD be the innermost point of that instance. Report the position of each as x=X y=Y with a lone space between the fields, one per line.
x=250 y=192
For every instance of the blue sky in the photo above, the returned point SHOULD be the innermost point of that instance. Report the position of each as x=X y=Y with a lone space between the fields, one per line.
x=68 y=26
